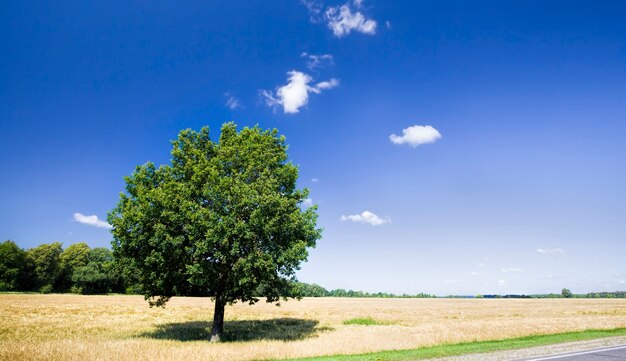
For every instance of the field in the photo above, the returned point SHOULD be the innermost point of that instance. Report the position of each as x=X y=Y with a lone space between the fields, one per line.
x=71 y=327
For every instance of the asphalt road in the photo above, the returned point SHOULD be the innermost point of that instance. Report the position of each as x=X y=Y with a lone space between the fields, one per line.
x=605 y=354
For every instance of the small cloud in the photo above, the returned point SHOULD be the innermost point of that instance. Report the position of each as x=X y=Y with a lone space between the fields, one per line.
x=232 y=102
x=315 y=180
x=315 y=62
x=476 y=274
x=323 y=85
x=416 y=135
x=388 y=24
x=481 y=265
x=512 y=270
x=315 y=9
x=550 y=251
x=69 y=233
x=343 y=20
x=622 y=282
x=502 y=282
x=358 y=3
x=91 y=221
x=295 y=94
x=307 y=202
x=366 y=217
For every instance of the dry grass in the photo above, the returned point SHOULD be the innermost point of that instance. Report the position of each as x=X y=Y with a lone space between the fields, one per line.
x=70 y=327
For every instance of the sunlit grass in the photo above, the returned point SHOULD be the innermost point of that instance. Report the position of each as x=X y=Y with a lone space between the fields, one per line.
x=73 y=327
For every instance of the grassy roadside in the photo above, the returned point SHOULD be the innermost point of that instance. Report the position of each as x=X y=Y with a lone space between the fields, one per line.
x=472 y=347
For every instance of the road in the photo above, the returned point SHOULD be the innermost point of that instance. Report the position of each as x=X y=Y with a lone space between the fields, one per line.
x=603 y=354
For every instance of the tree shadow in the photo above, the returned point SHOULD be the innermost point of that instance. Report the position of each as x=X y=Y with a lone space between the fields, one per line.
x=281 y=329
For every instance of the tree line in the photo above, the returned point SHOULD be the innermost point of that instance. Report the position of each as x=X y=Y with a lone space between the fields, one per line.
x=80 y=269
x=50 y=268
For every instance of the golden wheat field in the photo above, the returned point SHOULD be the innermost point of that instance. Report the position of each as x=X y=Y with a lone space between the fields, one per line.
x=72 y=327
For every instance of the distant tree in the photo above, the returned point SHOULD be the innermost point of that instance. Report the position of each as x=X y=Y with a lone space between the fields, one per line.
x=309 y=290
x=221 y=220
x=45 y=260
x=98 y=275
x=566 y=293
x=73 y=257
x=12 y=266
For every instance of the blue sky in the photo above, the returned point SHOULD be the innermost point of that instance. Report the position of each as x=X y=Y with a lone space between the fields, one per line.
x=510 y=176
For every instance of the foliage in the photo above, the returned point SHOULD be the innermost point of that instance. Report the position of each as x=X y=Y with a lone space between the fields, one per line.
x=73 y=257
x=223 y=219
x=46 y=263
x=12 y=266
x=566 y=293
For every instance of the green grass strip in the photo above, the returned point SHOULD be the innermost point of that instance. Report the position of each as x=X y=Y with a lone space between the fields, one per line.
x=365 y=321
x=473 y=347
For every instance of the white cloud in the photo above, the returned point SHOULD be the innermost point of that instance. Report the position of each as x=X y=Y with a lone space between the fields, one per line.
x=295 y=94
x=481 y=265
x=324 y=85
x=307 y=202
x=550 y=250
x=366 y=217
x=416 y=135
x=476 y=274
x=622 y=282
x=388 y=24
x=232 y=102
x=315 y=180
x=512 y=269
x=91 y=221
x=501 y=282
x=315 y=9
x=342 y=20
x=315 y=62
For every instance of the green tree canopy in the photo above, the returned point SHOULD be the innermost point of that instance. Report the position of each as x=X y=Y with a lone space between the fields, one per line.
x=74 y=256
x=45 y=259
x=223 y=219
x=566 y=293
x=12 y=263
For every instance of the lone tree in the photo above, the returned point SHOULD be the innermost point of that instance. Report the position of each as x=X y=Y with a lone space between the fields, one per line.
x=224 y=219
x=566 y=293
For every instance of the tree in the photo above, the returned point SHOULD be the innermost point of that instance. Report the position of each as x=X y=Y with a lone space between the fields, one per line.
x=12 y=266
x=73 y=257
x=222 y=220
x=45 y=259
x=97 y=276
x=566 y=293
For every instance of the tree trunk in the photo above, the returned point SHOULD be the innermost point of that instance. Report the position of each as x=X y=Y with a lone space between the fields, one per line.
x=218 y=320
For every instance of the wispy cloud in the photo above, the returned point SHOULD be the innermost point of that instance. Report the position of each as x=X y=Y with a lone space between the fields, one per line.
x=315 y=180
x=512 y=270
x=341 y=20
x=550 y=250
x=91 y=221
x=416 y=135
x=232 y=102
x=366 y=217
x=476 y=274
x=315 y=9
x=307 y=202
x=344 y=19
x=315 y=62
x=481 y=265
x=502 y=282
x=295 y=94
